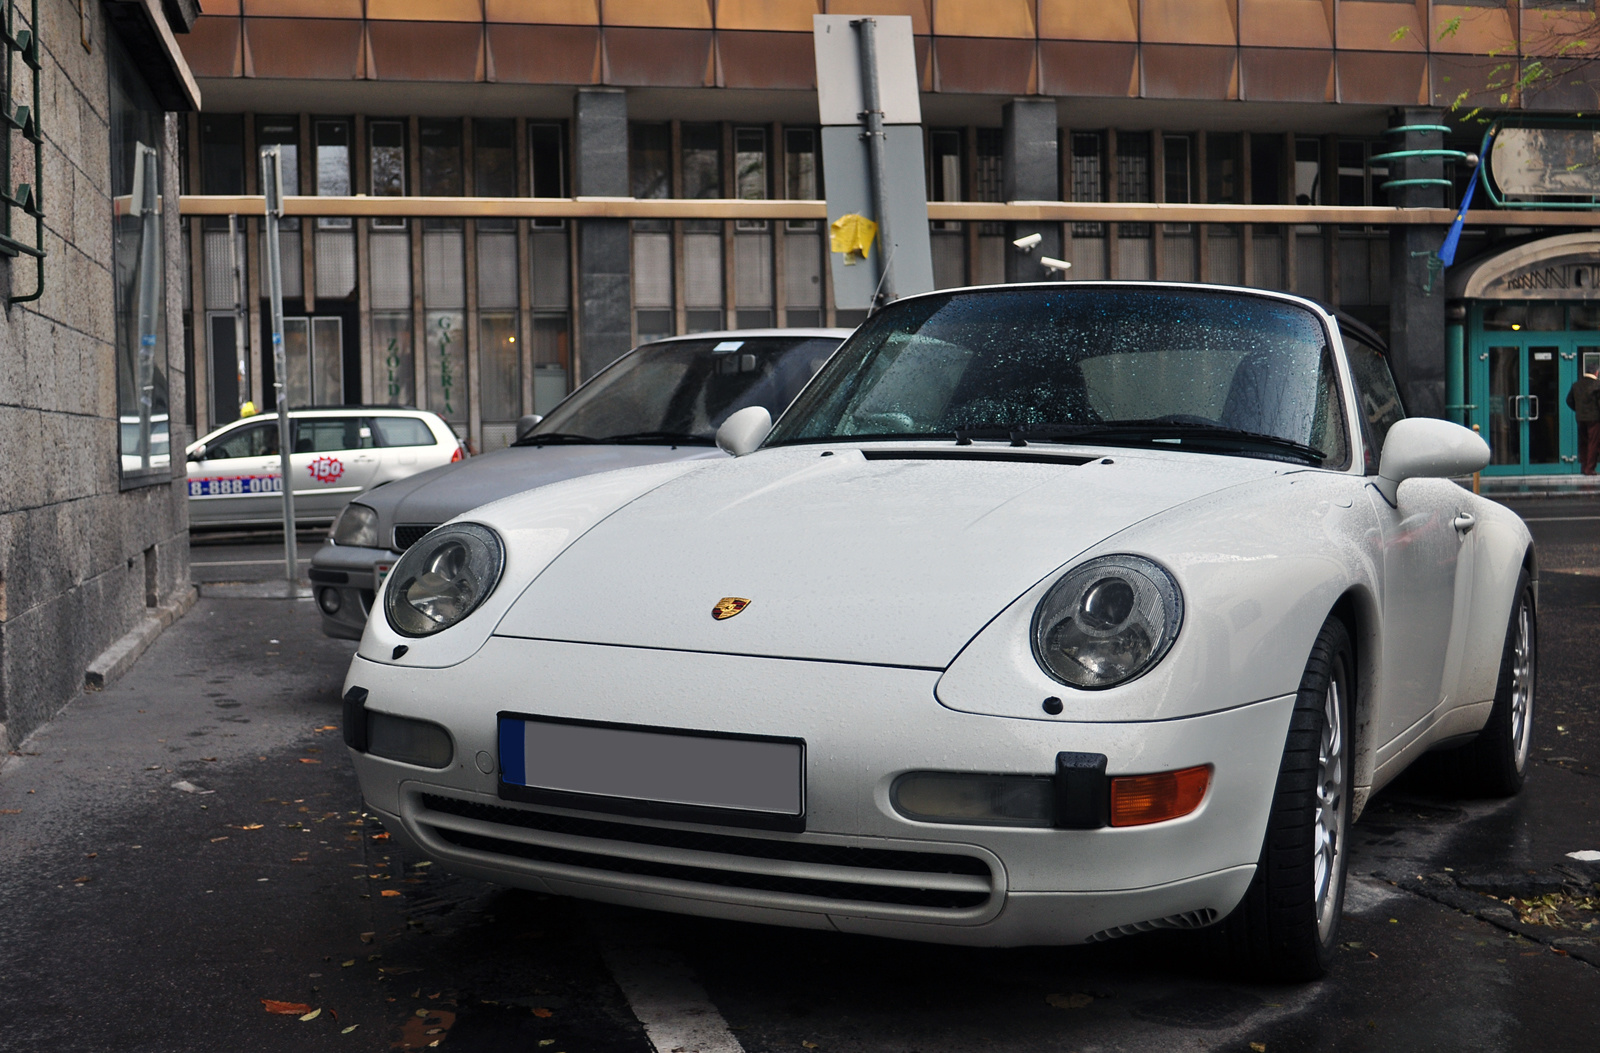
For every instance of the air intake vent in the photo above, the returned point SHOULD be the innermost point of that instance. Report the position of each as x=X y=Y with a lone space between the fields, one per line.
x=937 y=882
x=408 y=534
x=975 y=453
x=1190 y=919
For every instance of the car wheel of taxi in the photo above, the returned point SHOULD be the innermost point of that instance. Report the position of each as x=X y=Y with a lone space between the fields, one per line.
x=1287 y=926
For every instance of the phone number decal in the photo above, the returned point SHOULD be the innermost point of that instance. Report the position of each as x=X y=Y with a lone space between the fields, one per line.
x=242 y=484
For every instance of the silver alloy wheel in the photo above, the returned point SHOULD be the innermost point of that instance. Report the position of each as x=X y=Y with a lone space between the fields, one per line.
x=1328 y=830
x=1522 y=686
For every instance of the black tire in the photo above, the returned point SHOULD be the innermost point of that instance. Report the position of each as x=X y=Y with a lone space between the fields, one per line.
x=1495 y=764
x=1287 y=927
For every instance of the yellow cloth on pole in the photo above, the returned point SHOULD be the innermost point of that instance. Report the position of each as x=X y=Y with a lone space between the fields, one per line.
x=852 y=235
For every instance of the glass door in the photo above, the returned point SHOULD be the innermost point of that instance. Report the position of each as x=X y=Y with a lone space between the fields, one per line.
x=1524 y=378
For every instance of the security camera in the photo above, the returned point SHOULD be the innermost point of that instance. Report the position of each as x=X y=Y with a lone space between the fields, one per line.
x=1026 y=244
x=1050 y=263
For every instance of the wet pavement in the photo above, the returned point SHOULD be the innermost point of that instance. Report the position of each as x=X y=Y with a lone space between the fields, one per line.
x=189 y=842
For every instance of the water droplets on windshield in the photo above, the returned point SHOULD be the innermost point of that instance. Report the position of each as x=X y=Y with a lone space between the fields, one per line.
x=999 y=360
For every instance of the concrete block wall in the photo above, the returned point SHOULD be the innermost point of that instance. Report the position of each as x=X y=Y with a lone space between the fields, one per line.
x=82 y=561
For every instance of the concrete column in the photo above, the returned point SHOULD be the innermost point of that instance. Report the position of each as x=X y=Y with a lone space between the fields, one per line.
x=605 y=283
x=1029 y=172
x=1417 y=299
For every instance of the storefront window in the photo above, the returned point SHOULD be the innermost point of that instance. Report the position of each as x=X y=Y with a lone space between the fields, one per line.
x=138 y=135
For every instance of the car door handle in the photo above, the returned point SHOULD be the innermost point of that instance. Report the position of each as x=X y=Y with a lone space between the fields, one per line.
x=1464 y=522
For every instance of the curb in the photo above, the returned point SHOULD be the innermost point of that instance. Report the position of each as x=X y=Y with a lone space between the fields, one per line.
x=120 y=656
x=1442 y=889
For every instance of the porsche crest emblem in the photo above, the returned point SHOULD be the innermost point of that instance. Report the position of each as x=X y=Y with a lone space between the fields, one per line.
x=728 y=606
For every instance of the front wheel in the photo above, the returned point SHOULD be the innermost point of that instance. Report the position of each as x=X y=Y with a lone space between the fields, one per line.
x=1286 y=928
x=1496 y=762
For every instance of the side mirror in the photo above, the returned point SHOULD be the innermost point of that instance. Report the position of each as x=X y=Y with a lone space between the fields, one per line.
x=1427 y=448
x=198 y=453
x=527 y=424
x=743 y=431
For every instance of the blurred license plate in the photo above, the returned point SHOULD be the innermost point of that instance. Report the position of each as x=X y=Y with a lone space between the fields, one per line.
x=740 y=773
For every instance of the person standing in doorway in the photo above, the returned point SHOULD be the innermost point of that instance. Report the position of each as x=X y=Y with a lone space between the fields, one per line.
x=1583 y=398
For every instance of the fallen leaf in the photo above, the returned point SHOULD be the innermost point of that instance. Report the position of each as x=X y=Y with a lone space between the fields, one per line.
x=224 y=837
x=543 y=1014
x=285 y=1008
x=81 y=880
x=1259 y=1047
x=251 y=826
x=10 y=811
x=381 y=837
x=92 y=855
x=388 y=892
x=329 y=727
x=1075 y=1000
x=348 y=964
x=809 y=1045
x=547 y=1042
x=367 y=937
x=311 y=1015
x=349 y=1029
x=309 y=760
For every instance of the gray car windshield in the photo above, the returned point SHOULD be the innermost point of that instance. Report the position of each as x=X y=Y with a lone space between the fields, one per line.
x=681 y=391
x=1220 y=372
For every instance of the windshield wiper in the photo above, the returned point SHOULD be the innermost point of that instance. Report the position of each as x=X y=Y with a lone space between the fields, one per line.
x=1143 y=432
x=675 y=438
x=553 y=438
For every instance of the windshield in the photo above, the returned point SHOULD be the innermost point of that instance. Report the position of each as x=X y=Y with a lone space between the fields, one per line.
x=682 y=391
x=1085 y=364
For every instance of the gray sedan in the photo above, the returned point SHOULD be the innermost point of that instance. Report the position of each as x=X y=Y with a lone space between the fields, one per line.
x=662 y=401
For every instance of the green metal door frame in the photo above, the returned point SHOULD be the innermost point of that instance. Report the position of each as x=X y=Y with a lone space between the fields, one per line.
x=1525 y=407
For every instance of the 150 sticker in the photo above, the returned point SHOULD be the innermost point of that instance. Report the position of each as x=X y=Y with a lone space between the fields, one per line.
x=326 y=469
x=239 y=484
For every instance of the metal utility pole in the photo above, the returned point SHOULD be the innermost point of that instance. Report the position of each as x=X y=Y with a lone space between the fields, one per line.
x=872 y=120
x=240 y=334
x=145 y=204
x=272 y=189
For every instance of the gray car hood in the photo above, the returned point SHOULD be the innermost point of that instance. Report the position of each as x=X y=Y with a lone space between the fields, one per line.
x=442 y=493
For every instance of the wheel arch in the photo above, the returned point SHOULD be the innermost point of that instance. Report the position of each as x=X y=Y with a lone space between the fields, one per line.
x=1357 y=609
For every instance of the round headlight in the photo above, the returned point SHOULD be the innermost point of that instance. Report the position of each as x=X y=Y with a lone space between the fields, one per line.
x=1106 y=622
x=443 y=578
x=357 y=526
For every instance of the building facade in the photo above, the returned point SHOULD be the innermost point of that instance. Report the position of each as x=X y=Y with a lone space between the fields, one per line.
x=516 y=191
x=93 y=522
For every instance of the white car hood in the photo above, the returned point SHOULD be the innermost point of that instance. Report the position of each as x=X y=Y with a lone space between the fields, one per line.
x=846 y=558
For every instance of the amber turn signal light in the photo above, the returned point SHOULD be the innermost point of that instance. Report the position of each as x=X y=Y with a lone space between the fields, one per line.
x=1140 y=799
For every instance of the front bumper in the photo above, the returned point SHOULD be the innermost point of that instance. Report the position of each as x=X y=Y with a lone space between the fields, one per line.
x=346 y=571
x=859 y=865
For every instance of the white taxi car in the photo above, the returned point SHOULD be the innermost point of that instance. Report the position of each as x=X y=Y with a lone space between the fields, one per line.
x=236 y=477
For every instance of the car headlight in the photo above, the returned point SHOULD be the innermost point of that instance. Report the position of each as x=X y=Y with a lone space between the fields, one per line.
x=443 y=578
x=357 y=525
x=1106 y=622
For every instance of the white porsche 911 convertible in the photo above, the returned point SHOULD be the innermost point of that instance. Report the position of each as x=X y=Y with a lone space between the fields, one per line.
x=1047 y=614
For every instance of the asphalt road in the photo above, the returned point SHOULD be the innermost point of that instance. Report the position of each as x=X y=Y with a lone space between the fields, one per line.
x=140 y=914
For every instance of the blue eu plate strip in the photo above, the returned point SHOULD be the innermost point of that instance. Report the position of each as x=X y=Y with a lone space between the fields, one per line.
x=512 y=765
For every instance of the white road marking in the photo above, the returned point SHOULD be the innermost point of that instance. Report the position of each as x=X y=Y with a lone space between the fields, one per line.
x=677 y=1015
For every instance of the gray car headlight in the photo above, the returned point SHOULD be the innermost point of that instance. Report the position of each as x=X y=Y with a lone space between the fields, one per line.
x=443 y=578
x=357 y=526
x=1107 y=621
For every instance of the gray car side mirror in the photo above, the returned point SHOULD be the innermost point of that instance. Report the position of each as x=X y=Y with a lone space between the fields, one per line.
x=198 y=453
x=744 y=430
x=1425 y=447
x=527 y=423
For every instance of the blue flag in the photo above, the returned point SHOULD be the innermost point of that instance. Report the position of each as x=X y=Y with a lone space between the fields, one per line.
x=1447 y=251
